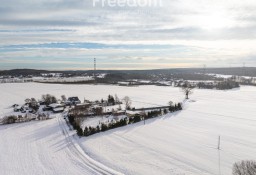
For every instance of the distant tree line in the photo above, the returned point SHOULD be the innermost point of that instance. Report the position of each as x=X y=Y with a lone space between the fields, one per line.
x=122 y=75
x=227 y=85
x=224 y=85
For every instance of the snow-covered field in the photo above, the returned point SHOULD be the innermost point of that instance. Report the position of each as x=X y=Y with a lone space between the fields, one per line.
x=63 y=79
x=143 y=96
x=179 y=143
x=47 y=147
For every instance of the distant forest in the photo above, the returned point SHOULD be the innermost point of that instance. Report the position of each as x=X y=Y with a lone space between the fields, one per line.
x=120 y=75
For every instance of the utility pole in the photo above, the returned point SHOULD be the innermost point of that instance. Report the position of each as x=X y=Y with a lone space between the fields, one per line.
x=144 y=115
x=219 y=143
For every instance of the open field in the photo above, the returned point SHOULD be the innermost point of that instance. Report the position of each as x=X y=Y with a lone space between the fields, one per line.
x=48 y=147
x=185 y=142
x=181 y=143
x=142 y=96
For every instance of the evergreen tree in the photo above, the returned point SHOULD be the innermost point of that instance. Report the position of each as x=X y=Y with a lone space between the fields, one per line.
x=86 y=131
x=98 y=128
x=79 y=131
x=104 y=127
x=179 y=106
x=111 y=100
x=137 y=118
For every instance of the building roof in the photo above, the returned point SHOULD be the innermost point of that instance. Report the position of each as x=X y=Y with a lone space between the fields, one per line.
x=55 y=105
x=58 y=109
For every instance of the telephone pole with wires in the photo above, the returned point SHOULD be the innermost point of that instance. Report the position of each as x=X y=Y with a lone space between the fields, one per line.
x=219 y=143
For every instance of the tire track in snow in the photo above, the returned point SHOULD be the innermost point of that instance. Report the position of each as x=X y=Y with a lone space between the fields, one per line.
x=183 y=165
x=77 y=152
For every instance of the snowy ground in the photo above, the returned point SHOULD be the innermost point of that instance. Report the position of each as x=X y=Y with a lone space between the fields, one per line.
x=98 y=120
x=180 y=143
x=16 y=93
x=45 y=147
x=62 y=79
x=185 y=142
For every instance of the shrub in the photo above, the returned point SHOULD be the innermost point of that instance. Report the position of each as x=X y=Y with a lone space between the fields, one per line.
x=86 y=131
x=137 y=118
x=79 y=131
x=179 y=106
x=93 y=131
x=9 y=119
x=244 y=168
x=104 y=127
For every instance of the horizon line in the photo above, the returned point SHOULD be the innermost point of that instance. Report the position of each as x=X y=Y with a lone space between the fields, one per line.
x=124 y=69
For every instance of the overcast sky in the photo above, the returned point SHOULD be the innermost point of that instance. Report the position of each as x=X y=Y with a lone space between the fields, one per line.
x=68 y=34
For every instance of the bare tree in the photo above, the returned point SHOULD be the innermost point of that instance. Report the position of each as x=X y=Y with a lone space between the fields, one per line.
x=34 y=104
x=244 y=168
x=98 y=111
x=63 y=98
x=187 y=89
x=127 y=102
x=170 y=103
x=49 y=99
x=119 y=107
x=27 y=100
x=117 y=99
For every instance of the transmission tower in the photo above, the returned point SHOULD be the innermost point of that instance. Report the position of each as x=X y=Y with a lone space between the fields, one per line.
x=94 y=72
x=244 y=71
x=204 y=69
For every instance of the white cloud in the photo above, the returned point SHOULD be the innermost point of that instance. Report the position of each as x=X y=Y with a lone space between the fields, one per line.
x=208 y=30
